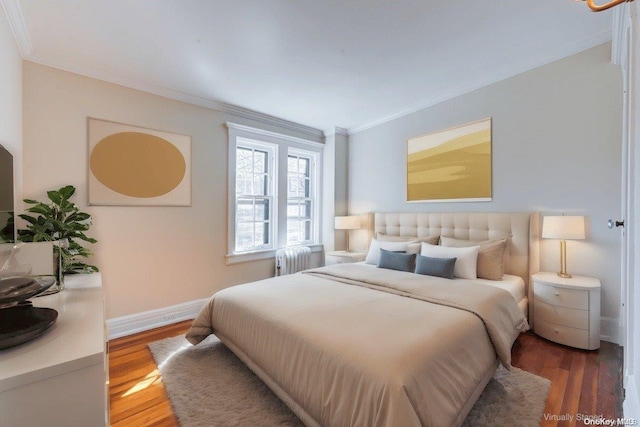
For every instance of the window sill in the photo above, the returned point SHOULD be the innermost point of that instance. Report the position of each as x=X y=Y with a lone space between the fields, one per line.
x=265 y=254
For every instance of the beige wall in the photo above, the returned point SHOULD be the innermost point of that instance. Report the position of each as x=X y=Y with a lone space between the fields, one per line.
x=11 y=99
x=150 y=257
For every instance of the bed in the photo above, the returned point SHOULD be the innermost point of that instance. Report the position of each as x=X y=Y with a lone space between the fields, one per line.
x=356 y=345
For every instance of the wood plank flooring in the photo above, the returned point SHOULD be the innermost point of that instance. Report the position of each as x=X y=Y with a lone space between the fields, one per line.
x=136 y=394
x=582 y=382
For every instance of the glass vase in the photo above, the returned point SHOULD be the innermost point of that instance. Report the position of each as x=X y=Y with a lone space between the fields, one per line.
x=58 y=270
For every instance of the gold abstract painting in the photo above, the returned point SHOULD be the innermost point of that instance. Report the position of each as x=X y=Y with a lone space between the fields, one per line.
x=129 y=165
x=451 y=165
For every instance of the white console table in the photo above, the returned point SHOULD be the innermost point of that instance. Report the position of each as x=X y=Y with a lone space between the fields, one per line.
x=60 y=378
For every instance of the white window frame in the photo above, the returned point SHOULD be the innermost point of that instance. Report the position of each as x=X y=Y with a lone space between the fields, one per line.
x=271 y=196
x=284 y=144
x=314 y=196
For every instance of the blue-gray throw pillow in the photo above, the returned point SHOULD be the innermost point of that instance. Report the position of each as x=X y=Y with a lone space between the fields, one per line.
x=397 y=260
x=440 y=267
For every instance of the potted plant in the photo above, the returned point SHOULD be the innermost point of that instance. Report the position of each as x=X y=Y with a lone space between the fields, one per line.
x=61 y=221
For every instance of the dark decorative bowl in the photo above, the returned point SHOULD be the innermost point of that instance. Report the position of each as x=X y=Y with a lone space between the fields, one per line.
x=20 y=322
x=23 y=322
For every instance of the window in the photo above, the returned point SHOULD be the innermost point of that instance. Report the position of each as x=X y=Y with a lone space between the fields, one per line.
x=300 y=198
x=274 y=192
x=254 y=196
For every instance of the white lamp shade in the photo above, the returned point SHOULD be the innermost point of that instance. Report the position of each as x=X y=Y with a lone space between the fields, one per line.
x=351 y=222
x=563 y=227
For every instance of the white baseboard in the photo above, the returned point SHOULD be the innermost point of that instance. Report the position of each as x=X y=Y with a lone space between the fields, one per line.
x=631 y=404
x=139 y=322
x=610 y=330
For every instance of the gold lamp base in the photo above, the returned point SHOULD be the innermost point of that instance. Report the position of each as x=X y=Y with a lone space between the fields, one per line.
x=563 y=260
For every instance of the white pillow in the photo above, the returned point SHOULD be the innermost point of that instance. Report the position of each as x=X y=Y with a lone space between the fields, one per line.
x=466 y=262
x=374 y=249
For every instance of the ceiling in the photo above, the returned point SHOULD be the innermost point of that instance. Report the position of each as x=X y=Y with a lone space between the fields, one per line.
x=320 y=63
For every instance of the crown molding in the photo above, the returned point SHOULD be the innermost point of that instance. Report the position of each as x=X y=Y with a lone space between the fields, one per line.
x=309 y=132
x=107 y=76
x=336 y=131
x=488 y=79
x=276 y=135
x=15 y=18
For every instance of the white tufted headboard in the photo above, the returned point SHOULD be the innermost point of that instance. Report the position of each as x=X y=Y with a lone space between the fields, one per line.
x=520 y=229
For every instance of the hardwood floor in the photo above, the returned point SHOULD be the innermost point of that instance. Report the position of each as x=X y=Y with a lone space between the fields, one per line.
x=582 y=382
x=136 y=394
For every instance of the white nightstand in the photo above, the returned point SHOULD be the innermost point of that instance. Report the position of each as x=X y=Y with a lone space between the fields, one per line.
x=567 y=311
x=341 y=257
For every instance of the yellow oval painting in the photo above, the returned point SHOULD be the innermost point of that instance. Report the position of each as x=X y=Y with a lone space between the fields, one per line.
x=137 y=164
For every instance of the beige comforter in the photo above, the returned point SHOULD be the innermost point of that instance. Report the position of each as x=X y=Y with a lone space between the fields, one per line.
x=352 y=345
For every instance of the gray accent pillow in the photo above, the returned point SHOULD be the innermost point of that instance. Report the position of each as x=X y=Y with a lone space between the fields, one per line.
x=400 y=261
x=440 y=267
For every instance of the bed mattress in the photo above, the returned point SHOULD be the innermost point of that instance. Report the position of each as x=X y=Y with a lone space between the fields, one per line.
x=512 y=284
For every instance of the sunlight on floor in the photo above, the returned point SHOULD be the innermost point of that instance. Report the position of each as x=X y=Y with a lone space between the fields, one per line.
x=152 y=378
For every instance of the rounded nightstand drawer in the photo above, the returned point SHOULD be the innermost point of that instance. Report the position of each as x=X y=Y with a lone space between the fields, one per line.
x=562 y=334
x=571 y=298
x=563 y=316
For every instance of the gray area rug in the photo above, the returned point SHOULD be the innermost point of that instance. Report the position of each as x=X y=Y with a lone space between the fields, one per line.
x=209 y=386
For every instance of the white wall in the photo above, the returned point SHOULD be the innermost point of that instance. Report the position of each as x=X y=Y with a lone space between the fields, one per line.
x=556 y=148
x=11 y=99
x=150 y=257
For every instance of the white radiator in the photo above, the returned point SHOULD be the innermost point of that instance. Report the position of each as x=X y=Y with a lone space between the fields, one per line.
x=293 y=259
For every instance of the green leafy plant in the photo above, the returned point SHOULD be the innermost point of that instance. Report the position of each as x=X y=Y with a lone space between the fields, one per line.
x=6 y=232
x=60 y=220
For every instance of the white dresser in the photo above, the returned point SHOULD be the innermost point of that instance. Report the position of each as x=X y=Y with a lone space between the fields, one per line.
x=567 y=311
x=60 y=378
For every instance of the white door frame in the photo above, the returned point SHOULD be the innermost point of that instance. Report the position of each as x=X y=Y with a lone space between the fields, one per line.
x=631 y=208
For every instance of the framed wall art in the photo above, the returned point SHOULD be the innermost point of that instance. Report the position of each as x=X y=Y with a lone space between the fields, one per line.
x=451 y=165
x=134 y=166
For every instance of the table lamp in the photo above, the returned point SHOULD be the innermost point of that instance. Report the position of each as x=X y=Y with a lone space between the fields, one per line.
x=350 y=222
x=563 y=228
